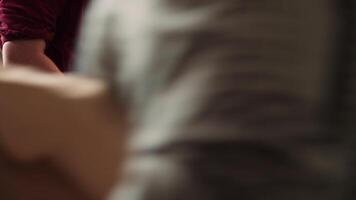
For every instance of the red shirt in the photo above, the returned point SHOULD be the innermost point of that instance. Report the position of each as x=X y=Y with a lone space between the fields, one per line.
x=56 y=21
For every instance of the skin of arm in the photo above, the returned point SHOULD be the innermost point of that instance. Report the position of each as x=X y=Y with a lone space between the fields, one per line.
x=29 y=53
x=34 y=181
x=92 y=130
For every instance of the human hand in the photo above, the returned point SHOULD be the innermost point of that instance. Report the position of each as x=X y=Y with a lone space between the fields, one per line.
x=71 y=120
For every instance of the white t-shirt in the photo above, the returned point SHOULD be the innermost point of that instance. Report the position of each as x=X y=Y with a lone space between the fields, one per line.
x=224 y=96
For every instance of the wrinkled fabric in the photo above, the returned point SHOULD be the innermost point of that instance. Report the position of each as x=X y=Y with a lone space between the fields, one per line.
x=229 y=99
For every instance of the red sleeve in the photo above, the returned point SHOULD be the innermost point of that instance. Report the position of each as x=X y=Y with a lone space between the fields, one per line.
x=31 y=19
